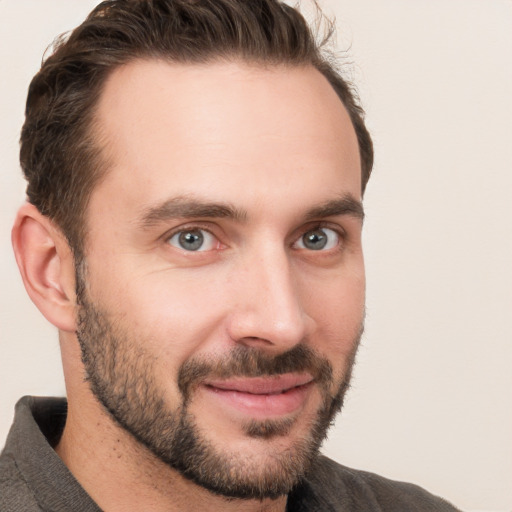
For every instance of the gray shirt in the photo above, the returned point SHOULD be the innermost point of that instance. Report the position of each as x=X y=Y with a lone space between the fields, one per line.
x=33 y=478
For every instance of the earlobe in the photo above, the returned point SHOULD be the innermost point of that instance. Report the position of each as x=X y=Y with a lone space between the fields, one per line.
x=46 y=265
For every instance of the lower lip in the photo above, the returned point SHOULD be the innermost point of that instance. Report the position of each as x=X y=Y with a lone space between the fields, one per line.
x=264 y=405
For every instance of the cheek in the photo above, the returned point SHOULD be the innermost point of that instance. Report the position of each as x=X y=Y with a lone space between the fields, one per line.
x=172 y=314
x=338 y=308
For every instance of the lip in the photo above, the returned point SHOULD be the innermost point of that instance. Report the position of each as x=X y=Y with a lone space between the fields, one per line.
x=262 y=397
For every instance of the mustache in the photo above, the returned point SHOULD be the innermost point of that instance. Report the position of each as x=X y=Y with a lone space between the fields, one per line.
x=251 y=362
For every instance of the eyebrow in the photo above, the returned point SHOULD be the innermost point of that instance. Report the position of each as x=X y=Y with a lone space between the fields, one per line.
x=344 y=205
x=186 y=207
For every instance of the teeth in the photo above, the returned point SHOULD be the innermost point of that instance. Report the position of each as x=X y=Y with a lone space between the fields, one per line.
x=269 y=393
x=279 y=392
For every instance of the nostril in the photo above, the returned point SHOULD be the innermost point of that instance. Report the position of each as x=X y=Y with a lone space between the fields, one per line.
x=253 y=341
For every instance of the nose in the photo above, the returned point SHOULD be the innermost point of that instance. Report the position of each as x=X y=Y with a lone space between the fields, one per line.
x=268 y=304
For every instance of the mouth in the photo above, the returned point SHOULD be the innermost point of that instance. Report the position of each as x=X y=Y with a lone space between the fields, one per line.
x=262 y=397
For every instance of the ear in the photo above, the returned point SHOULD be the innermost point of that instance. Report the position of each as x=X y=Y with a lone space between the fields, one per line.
x=46 y=265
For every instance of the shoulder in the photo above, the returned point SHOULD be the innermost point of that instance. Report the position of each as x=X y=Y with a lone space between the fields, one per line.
x=339 y=486
x=23 y=446
x=15 y=494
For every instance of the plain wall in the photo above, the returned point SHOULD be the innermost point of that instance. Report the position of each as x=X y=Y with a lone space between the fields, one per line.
x=432 y=394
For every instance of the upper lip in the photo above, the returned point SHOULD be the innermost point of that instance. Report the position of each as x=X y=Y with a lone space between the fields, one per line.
x=268 y=385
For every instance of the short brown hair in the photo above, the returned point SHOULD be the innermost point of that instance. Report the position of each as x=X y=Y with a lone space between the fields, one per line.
x=59 y=156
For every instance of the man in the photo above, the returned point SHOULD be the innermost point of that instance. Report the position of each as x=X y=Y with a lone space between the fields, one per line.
x=193 y=228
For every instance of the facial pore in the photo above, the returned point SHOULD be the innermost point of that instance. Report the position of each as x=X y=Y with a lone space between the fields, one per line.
x=120 y=374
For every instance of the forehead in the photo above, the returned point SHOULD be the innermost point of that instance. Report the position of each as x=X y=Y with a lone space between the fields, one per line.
x=227 y=128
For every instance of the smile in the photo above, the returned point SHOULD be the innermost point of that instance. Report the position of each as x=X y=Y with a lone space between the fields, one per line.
x=262 y=397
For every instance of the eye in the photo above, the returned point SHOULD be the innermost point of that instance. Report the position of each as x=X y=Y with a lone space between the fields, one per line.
x=318 y=239
x=193 y=240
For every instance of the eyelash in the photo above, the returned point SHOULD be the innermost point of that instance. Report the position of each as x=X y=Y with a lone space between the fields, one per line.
x=187 y=228
x=341 y=233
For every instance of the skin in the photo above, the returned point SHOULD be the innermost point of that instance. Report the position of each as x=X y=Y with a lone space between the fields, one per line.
x=276 y=145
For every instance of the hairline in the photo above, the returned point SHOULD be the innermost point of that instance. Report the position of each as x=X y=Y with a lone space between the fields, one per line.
x=94 y=131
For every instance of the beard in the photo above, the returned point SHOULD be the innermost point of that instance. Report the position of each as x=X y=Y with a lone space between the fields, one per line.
x=121 y=376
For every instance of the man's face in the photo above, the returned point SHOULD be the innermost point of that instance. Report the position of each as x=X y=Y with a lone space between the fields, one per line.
x=223 y=282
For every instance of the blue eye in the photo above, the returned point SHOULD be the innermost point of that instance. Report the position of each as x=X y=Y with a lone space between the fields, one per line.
x=193 y=240
x=319 y=239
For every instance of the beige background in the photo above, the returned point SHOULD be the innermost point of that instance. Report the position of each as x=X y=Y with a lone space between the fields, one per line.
x=432 y=397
